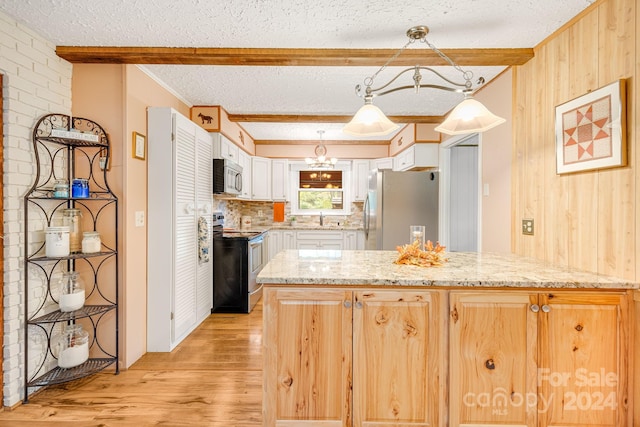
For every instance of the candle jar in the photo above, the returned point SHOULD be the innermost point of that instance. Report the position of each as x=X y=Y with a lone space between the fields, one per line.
x=91 y=242
x=61 y=189
x=72 y=218
x=71 y=346
x=416 y=234
x=80 y=188
x=56 y=242
x=71 y=292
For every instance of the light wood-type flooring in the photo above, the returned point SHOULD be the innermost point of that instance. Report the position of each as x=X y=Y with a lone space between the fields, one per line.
x=213 y=378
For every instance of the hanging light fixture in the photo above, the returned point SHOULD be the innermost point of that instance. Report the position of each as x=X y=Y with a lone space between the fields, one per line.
x=321 y=161
x=467 y=117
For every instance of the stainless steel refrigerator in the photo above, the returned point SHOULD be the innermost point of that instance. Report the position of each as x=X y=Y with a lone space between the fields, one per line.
x=395 y=201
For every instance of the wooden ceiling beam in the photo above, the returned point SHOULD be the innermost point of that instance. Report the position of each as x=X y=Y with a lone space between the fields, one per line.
x=316 y=142
x=311 y=118
x=289 y=57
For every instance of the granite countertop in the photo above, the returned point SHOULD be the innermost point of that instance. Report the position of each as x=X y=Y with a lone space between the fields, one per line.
x=327 y=267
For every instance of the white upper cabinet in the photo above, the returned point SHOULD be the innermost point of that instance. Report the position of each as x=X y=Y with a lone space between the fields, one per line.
x=260 y=178
x=224 y=148
x=360 y=170
x=244 y=160
x=418 y=156
x=382 y=163
x=279 y=179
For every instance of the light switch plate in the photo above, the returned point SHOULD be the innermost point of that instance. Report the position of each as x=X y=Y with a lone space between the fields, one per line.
x=139 y=218
x=527 y=227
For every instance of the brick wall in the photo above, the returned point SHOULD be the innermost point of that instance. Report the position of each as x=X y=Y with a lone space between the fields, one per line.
x=36 y=82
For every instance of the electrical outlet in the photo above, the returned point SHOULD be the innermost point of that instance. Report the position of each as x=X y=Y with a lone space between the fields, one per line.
x=139 y=218
x=260 y=213
x=527 y=227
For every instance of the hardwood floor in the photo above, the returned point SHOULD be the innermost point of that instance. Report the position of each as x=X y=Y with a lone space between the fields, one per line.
x=213 y=378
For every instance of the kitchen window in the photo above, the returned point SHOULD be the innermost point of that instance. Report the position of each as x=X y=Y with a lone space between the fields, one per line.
x=320 y=190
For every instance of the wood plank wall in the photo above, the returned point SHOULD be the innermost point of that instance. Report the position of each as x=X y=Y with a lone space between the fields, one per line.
x=586 y=220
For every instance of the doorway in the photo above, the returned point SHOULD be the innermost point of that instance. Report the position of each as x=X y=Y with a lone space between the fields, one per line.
x=460 y=187
x=1 y=234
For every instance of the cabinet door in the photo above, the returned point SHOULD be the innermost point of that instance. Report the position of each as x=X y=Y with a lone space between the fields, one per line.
x=279 y=179
x=382 y=163
x=288 y=240
x=245 y=162
x=307 y=244
x=398 y=358
x=228 y=149
x=184 y=303
x=583 y=368
x=404 y=160
x=333 y=245
x=275 y=242
x=350 y=242
x=492 y=368
x=360 y=179
x=307 y=357
x=360 y=241
x=317 y=239
x=260 y=178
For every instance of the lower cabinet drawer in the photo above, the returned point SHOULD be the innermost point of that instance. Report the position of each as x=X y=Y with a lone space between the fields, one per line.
x=319 y=235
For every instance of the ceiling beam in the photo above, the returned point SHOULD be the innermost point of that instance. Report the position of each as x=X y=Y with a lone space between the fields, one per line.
x=289 y=57
x=299 y=118
x=318 y=141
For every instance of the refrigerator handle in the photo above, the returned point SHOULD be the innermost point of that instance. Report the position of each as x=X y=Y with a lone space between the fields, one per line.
x=366 y=217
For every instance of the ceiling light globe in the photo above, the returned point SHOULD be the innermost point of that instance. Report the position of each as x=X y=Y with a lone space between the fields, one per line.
x=369 y=121
x=470 y=116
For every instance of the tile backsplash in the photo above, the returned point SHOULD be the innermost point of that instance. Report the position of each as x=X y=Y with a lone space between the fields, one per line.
x=261 y=214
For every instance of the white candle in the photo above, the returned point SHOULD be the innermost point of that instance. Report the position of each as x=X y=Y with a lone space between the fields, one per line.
x=70 y=302
x=74 y=356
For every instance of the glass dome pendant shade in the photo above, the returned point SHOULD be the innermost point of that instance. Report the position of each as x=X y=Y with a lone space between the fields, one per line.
x=468 y=117
x=369 y=120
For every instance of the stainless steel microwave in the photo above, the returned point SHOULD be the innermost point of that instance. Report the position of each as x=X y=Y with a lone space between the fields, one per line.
x=227 y=177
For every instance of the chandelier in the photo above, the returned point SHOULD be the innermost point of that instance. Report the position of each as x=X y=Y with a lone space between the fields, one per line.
x=321 y=161
x=467 y=117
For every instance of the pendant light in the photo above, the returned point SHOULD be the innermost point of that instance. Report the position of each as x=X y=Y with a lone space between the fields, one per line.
x=467 y=117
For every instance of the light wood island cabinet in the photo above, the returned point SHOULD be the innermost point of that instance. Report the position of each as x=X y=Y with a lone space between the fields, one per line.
x=398 y=363
x=327 y=358
x=351 y=339
x=538 y=359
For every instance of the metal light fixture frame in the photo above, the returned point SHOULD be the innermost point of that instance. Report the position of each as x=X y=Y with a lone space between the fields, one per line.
x=383 y=125
x=321 y=161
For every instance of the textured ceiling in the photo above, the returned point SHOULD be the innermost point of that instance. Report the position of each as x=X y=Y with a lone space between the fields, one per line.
x=295 y=24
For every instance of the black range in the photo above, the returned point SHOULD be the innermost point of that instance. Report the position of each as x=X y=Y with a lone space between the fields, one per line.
x=238 y=257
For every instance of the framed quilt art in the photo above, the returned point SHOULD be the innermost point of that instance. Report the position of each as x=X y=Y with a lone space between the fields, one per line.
x=590 y=130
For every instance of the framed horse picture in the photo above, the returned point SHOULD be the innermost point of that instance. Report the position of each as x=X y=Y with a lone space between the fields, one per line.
x=207 y=117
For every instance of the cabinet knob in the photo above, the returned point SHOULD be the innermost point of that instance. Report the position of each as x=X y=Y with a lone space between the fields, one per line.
x=347 y=304
x=358 y=304
x=535 y=308
x=546 y=308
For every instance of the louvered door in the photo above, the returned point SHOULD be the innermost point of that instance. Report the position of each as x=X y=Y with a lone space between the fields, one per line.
x=185 y=214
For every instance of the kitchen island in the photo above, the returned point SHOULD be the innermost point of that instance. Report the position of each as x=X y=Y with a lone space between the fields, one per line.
x=350 y=338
